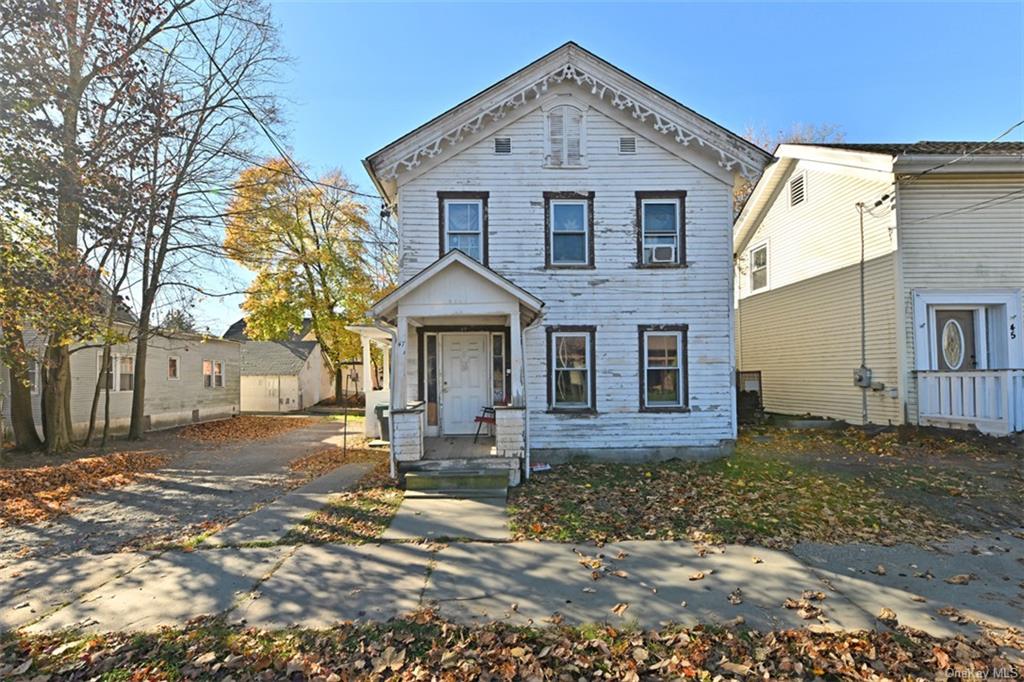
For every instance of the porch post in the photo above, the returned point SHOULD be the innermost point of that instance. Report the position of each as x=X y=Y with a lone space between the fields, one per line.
x=516 y=357
x=385 y=367
x=367 y=373
x=399 y=399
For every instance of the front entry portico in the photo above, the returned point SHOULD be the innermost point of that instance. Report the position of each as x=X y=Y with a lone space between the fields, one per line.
x=457 y=332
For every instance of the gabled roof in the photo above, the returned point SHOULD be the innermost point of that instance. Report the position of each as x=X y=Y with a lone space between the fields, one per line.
x=893 y=158
x=456 y=257
x=569 y=63
x=260 y=358
x=236 y=331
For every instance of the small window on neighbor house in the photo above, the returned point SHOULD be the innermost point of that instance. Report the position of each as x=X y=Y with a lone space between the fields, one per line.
x=108 y=383
x=464 y=226
x=797 y=190
x=207 y=373
x=565 y=136
x=660 y=231
x=172 y=368
x=571 y=370
x=759 y=267
x=663 y=369
x=218 y=375
x=568 y=232
x=125 y=373
x=503 y=145
x=627 y=145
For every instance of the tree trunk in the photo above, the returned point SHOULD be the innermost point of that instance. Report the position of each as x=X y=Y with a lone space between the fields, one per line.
x=56 y=389
x=23 y=426
x=100 y=382
x=339 y=397
x=137 y=428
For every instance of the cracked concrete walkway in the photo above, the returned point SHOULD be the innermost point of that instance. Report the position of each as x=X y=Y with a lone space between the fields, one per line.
x=528 y=582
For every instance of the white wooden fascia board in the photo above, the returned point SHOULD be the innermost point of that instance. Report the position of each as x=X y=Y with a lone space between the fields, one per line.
x=668 y=116
x=439 y=266
x=837 y=157
x=910 y=164
x=761 y=199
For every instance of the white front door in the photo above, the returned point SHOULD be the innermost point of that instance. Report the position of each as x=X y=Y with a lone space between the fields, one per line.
x=464 y=387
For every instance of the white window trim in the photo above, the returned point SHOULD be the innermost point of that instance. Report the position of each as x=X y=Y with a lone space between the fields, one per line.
x=115 y=371
x=555 y=370
x=586 y=230
x=546 y=109
x=479 y=225
x=678 y=368
x=643 y=227
x=177 y=368
x=213 y=374
x=789 y=188
x=767 y=268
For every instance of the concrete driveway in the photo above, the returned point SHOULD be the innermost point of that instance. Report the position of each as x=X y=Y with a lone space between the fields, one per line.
x=204 y=483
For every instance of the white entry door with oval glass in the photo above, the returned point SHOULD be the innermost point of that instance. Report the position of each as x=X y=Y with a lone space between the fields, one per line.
x=465 y=386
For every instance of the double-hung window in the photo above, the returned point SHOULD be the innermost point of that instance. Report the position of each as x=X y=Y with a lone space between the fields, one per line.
x=570 y=231
x=213 y=374
x=663 y=367
x=463 y=218
x=119 y=374
x=661 y=239
x=571 y=368
x=759 y=267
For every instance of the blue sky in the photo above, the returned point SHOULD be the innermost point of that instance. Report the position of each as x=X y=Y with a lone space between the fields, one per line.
x=364 y=74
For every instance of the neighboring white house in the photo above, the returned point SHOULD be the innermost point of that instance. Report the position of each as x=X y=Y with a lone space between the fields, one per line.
x=189 y=378
x=565 y=257
x=943 y=276
x=283 y=376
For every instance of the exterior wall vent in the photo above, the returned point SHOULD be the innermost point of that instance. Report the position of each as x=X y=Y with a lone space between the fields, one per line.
x=797 y=190
x=503 y=145
x=627 y=145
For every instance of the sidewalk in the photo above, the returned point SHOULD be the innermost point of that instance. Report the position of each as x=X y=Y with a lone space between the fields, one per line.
x=642 y=583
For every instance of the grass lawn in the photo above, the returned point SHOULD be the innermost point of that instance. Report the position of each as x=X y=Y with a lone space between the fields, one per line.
x=780 y=487
x=421 y=646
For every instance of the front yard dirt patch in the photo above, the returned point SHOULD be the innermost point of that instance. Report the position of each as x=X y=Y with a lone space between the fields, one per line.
x=38 y=493
x=783 y=487
x=246 y=427
x=355 y=516
x=421 y=646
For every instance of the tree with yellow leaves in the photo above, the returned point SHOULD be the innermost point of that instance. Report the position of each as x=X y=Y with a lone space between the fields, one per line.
x=313 y=251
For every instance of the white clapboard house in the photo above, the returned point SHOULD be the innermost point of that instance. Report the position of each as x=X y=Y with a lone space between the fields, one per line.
x=906 y=260
x=566 y=259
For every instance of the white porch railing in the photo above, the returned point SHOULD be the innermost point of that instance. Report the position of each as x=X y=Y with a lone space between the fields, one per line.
x=992 y=401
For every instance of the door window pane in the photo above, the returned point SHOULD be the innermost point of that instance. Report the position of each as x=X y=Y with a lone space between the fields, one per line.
x=499 y=393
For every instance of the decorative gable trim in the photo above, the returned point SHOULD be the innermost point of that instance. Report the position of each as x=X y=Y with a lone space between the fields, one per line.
x=603 y=80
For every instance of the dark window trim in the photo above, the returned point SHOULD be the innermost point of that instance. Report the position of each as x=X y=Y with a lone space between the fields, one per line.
x=477 y=196
x=421 y=345
x=684 y=366
x=570 y=196
x=591 y=330
x=680 y=195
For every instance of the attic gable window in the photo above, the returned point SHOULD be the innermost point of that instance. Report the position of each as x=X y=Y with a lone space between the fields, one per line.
x=503 y=145
x=797 y=190
x=565 y=137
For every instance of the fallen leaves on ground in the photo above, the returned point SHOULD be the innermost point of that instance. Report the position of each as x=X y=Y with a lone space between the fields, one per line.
x=355 y=516
x=246 y=427
x=328 y=459
x=422 y=646
x=743 y=498
x=33 y=494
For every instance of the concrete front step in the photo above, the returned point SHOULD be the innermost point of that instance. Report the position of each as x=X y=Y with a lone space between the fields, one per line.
x=461 y=464
x=457 y=480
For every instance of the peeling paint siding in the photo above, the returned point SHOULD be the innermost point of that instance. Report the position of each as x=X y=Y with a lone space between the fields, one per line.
x=803 y=331
x=976 y=249
x=615 y=296
x=168 y=402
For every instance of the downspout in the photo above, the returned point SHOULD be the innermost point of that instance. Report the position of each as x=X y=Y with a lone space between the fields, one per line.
x=863 y=323
x=393 y=333
x=526 y=403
